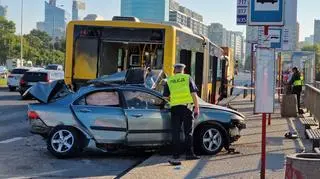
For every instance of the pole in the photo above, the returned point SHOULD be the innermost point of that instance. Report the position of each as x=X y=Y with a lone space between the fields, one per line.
x=280 y=76
x=269 y=120
x=21 y=37
x=263 y=147
x=251 y=91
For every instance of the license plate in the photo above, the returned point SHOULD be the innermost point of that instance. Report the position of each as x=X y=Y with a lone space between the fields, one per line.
x=32 y=83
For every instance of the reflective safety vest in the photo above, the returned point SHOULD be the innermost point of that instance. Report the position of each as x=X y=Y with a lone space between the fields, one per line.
x=298 y=82
x=179 y=90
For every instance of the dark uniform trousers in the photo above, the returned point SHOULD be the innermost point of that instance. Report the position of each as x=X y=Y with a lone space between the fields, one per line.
x=182 y=114
x=297 y=90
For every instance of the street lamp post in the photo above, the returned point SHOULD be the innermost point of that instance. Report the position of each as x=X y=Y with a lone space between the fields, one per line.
x=21 y=37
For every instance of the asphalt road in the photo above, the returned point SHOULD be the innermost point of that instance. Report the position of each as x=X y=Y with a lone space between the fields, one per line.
x=24 y=155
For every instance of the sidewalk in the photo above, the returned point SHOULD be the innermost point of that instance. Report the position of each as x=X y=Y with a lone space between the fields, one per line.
x=244 y=165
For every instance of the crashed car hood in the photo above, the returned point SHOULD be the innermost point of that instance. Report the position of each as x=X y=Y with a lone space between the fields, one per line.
x=204 y=104
x=45 y=92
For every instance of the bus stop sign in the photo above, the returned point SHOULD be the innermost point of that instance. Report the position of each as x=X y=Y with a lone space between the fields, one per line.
x=266 y=12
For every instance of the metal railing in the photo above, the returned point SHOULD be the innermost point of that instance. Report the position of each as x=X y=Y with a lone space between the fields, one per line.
x=312 y=100
x=317 y=84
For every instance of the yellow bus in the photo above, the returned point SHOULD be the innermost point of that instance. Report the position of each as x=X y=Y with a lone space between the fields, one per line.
x=97 y=48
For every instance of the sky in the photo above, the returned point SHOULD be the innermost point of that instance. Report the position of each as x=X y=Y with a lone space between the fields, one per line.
x=222 y=11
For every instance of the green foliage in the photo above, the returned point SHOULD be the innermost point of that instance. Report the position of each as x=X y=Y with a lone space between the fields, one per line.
x=316 y=49
x=7 y=39
x=37 y=45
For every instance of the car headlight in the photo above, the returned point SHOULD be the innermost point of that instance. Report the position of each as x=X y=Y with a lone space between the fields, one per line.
x=238 y=123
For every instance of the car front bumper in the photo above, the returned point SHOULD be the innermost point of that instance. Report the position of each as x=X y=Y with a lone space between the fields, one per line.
x=235 y=131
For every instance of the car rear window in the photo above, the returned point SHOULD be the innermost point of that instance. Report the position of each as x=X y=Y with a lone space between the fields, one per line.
x=19 y=71
x=52 y=67
x=35 y=76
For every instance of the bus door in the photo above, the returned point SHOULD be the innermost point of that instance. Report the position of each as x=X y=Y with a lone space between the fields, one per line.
x=199 y=72
x=214 y=67
x=112 y=57
x=224 y=80
x=185 y=58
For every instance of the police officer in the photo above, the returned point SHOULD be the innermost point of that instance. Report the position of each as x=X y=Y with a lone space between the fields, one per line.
x=297 y=82
x=181 y=91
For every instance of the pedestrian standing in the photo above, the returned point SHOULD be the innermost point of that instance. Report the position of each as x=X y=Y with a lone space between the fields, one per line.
x=181 y=91
x=297 y=82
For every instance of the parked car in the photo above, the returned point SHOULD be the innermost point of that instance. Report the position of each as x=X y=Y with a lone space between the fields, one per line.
x=121 y=115
x=15 y=77
x=54 y=67
x=34 y=76
x=3 y=72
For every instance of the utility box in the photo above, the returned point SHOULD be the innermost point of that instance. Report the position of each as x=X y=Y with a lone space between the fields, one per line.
x=289 y=105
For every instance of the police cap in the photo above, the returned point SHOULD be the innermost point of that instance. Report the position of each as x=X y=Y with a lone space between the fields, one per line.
x=179 y=65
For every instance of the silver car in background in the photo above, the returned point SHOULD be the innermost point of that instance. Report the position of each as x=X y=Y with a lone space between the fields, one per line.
x=15 y=77
x=119 y=115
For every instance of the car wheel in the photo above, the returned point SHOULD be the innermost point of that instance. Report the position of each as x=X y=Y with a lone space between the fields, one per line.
x=11 y=88
x=63 y=142
x=211 y=139
x=24 y=97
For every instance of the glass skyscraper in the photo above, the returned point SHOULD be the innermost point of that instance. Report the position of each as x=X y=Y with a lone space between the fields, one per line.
x=146 y=10
x=55 y=20
x=3 y=10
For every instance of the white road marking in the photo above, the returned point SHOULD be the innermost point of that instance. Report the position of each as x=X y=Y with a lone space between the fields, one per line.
x=11 y=140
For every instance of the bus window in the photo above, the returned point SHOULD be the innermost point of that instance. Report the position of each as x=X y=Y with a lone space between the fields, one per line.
x=219 y=71
x=85 y=60
x=120 y=59
x=185 y=58
x=158 y=63
x=193 y=65
x=210 y=69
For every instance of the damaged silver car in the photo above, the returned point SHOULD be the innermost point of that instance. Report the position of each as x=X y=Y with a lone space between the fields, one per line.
x=118 y=112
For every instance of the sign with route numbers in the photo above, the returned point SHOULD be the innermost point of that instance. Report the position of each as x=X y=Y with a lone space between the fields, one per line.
x=242 y=12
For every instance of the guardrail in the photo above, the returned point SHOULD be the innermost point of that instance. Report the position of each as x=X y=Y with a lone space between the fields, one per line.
x=312 y=100
x=317 y=84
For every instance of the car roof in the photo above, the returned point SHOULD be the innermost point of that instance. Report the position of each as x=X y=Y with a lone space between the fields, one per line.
x=54 y=65
x=40 y=70
x=22 y=68
x=90 y=88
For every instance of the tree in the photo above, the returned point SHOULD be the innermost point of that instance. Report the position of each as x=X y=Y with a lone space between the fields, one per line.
x=41 y=49
x=316 y=49
x=7 y=39
x=43 y=36
x=37 y=45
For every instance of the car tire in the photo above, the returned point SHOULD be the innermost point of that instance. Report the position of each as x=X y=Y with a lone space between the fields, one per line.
x=24 y=97
x=211 y=139
x=64 y=142
x=12 y=88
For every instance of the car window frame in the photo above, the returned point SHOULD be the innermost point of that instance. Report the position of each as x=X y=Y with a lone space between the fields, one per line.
x=125 y=104
x=95 y=91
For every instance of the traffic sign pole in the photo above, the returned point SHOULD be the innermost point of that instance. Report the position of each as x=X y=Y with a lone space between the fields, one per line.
x=263 y=147
x=266 y=30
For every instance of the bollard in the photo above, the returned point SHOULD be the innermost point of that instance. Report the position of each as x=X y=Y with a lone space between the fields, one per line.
x=245 y=92
x=302 y=166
